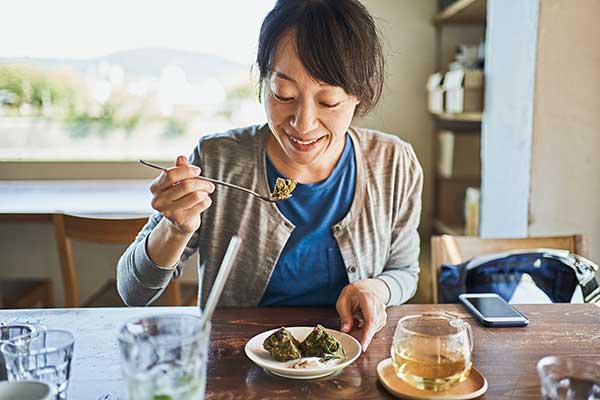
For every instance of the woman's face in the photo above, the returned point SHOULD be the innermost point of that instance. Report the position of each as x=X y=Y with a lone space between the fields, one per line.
x=308 y=119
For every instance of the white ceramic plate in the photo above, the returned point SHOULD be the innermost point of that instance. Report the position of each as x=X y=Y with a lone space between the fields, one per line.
x=25 y=390
x=255 y=352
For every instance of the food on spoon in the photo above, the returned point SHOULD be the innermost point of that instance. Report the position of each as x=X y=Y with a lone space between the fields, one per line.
x=319 y=343
x=283 y=188
x=282 y=345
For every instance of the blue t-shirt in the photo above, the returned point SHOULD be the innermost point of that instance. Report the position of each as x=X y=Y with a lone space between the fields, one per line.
x=310 y=270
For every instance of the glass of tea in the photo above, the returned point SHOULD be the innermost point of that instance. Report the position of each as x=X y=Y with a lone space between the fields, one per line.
x=432 y=351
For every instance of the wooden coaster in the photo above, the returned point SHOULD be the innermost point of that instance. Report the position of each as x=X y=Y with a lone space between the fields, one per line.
x=473 y=387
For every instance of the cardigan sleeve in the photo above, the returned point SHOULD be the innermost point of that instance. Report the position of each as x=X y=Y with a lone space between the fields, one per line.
x=139 y=280
x=401 y=271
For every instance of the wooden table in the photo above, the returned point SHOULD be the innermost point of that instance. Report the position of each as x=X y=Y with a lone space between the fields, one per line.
x=36 y=201
x=506 y=356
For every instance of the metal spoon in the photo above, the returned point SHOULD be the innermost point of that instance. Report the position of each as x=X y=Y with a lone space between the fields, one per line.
x=231 y=185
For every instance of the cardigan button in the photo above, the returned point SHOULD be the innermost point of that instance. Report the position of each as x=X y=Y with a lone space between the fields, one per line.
x=351 y=269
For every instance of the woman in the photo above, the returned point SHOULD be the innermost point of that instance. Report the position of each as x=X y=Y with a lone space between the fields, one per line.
x=348 y=236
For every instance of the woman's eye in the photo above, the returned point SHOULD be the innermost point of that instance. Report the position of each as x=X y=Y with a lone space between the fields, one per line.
x=330 y=105
x=280 y=98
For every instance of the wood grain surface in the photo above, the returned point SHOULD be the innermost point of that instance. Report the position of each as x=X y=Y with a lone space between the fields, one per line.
x=506 y=356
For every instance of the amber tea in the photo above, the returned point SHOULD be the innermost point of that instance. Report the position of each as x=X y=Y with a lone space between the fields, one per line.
x=421 y=365
x=432 y=351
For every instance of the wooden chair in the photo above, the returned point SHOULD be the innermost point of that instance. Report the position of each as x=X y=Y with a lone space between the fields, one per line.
x=26 y=293
x=448 y=249
x=104 y=230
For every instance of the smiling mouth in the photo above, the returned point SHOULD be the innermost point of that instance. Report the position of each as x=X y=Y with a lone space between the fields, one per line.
x=305 y=142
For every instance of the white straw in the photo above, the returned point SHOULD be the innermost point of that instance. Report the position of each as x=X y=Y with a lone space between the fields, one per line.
x=224 y=270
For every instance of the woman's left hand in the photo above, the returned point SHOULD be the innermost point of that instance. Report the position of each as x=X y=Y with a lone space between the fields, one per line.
x=366 y=297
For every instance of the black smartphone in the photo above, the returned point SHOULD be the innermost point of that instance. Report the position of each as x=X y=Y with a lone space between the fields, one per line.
x=492 y=310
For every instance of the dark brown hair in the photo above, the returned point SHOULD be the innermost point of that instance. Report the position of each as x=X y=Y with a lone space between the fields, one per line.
x=337 y=42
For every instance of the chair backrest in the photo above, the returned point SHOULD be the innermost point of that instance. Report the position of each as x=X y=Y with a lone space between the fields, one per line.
x=97 y=230
x=448 y=249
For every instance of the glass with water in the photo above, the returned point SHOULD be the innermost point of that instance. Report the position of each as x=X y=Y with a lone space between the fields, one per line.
x=569 y=378
x=14 y=333
x=45 y=357
x=164 y=357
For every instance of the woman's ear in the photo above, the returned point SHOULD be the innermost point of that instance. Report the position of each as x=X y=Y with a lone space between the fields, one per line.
x=261 y=86
x=356 y=106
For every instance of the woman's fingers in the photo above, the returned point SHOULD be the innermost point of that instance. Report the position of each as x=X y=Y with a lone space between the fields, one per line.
x=368 y=308
x=183 y=216
x=173 y=176
x=181 y=171
x=181 y=160
x=344 y=309
x=184 y=188
x=180 y=197
x=363 y=297
x=176 y=183
x=186 y=202
x=353 y=299
x=200 y=207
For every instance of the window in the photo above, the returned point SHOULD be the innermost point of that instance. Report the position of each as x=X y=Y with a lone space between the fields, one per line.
x=122 y=80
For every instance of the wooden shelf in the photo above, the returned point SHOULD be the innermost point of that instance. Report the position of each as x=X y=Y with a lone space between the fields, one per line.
x=460 y=12
x=463 y=12
x=442 y=228
x=462 y=117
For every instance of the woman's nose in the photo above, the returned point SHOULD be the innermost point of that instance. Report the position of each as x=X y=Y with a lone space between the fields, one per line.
x=304 y=119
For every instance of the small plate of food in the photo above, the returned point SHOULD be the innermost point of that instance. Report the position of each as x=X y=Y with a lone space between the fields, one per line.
x=303 y=352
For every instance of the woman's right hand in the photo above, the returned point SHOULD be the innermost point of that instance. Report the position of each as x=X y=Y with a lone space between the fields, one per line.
x=181 y=198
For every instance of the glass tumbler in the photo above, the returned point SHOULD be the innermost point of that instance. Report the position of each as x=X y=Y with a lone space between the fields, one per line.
x=14 y=333
x=432 y=351
x=569 y=378
x=46 y=357
x=164 y=357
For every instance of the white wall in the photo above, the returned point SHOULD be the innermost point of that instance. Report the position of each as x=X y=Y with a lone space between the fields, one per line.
x=541 y=133
x=565 y=165
x=508 y=118
x=410 y=50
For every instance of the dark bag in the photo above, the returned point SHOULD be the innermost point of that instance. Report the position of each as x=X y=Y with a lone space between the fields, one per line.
x=557 y=274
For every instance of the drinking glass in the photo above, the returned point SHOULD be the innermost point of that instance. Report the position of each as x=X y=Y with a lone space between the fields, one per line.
x=569 y=378
x=432 y=351
x=165 y=357
x=45 y=357
x=15 y=333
